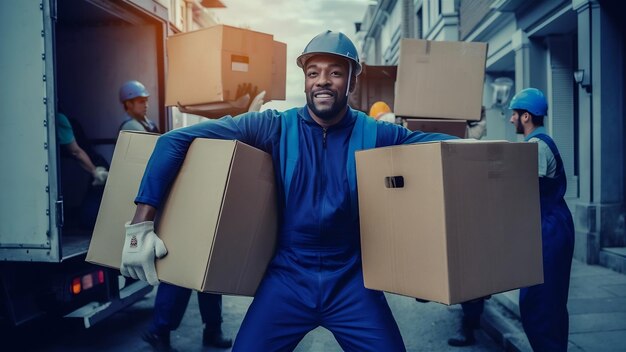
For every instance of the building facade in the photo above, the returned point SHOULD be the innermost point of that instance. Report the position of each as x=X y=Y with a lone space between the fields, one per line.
x=573 y=50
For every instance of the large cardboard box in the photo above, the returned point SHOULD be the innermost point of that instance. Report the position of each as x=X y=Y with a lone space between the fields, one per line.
x=209 y=65
x=450 y=221
x=210 y=247
x=440 y=79
x=456 y=128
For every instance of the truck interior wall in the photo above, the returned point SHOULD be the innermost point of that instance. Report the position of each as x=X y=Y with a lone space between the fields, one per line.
x=96 y=50
x=92 y=63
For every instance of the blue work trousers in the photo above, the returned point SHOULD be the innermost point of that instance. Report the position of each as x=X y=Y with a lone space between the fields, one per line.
x=170 y=305
x=304 y=289
x=543 y=307
x=472 y=311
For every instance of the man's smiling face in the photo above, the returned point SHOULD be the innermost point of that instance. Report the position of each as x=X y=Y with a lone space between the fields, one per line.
x=326 y=81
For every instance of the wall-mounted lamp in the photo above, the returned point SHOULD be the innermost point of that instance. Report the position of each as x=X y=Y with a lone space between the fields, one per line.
x=502 y=87
x=583 y=80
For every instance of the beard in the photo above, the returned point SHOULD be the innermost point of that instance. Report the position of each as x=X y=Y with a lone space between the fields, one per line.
x=519 y=128
x=325 y=112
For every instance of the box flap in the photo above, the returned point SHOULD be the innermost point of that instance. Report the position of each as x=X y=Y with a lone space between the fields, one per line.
x=196 y=55
x=499 y=177
x=250 y=190
x=279 y=73
x=400 y=255
x=131 y=154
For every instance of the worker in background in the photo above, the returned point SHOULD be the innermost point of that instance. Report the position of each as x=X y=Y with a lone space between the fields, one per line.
x=315 y=277
x=382 y=112
x=543 y=308
x=67 y=141
x=73 y=142
x=134 y=98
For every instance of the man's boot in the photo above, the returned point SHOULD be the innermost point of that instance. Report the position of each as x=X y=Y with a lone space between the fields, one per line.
x=214 y=337
x=159 y=343
x=463 y=337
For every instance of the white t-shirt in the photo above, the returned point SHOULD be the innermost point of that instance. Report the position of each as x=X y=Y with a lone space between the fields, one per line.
x=547 y=161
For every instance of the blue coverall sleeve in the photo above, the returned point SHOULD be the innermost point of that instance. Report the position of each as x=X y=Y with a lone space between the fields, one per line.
x=253 y=128
x=390 y=134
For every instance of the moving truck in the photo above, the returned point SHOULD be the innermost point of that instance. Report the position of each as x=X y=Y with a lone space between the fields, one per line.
x=67 y=56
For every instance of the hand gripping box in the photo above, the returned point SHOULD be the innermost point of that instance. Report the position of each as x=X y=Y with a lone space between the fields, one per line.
x=450 y=221
x=219 y=220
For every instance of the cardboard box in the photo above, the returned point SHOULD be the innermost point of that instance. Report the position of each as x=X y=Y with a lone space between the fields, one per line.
x=452 y=127
x=375 y=83
x=450 y=221
x=209 y=64
x=439 y=79
x=279 y=73
x=210 y=248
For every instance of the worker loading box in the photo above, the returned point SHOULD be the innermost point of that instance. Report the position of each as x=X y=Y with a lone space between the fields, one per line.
x=209 y=247
x=210 y=65
x=450 y=221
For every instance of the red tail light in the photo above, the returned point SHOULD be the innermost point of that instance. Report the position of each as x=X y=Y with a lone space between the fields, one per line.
x=87 y=281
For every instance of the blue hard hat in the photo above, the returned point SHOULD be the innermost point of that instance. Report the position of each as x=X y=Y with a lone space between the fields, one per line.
x=132 y=89
x=531 y=100
x=334 y=43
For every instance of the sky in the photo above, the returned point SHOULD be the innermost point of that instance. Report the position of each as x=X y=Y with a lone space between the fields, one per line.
x=294 y=22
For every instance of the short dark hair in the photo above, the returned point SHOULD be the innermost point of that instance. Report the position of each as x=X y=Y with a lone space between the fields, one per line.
x=537 y=120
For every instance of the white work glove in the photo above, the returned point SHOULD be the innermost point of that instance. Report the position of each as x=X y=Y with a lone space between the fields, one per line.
x=141 y=246
x=100 y=175
x=477 y=130
x=257 y=102
x=388 y=117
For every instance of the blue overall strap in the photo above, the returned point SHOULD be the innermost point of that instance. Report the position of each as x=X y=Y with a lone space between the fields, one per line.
x=557 y=156
x=363 y=137
x=552 y=190
x=289 y=147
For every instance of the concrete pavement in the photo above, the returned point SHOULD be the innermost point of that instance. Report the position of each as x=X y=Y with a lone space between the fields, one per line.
x=597 y=308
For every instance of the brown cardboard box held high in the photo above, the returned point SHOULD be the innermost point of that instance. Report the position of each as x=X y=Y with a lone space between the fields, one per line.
x=440 y=79
x=208 y=65
x=209 y=247
x=450 y=221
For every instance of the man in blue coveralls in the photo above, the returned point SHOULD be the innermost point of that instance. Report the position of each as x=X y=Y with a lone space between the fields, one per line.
x=543 y=307
x=315 y=278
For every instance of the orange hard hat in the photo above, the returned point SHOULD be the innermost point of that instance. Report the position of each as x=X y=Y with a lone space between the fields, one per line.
x=379 y=108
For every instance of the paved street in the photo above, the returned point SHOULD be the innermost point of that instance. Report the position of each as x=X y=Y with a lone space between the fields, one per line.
x=596 y=306
x=424 y=326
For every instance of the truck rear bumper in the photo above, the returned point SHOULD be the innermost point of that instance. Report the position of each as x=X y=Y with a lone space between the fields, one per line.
x=94 y=312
